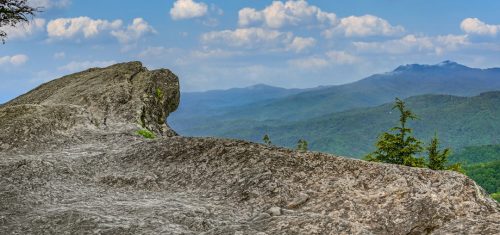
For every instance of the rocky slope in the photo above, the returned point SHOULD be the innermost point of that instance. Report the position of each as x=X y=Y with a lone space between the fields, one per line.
x=72 y=163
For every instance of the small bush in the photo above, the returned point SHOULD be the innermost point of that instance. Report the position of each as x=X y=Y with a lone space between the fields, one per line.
x=267 y=140
x=159 y=93
x=146 y=134
x=302 y=145
x=496 y=196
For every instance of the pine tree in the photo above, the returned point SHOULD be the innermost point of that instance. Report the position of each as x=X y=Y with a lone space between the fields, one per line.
x=399 y=147
x=437 y=158
x=267 y=140
x=456 y=167
x=302 y=145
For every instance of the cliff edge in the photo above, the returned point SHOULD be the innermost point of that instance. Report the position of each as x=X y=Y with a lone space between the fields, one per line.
x=71 y=162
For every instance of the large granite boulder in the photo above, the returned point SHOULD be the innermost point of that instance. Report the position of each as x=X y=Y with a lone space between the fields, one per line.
x=123 y=97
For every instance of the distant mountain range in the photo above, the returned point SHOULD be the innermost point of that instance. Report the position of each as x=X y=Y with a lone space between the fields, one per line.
x=346 y=119
x=459 y=122
x=195 y=107
x=408 y=80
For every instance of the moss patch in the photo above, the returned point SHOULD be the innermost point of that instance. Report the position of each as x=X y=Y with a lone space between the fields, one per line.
x=496 y=196
x=159 y=94
x=146 y=134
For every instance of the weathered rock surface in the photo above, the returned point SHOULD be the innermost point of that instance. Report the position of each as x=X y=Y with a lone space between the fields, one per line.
x=119 y=98
x=71 y=163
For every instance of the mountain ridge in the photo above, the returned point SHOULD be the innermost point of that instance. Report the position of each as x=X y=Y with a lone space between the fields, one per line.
x=459 y=121
x=369 y=92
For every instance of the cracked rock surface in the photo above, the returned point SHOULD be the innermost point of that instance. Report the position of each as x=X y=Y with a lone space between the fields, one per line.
x=72 y=163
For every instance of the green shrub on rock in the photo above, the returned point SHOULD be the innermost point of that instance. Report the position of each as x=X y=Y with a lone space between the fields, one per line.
x=146 y=134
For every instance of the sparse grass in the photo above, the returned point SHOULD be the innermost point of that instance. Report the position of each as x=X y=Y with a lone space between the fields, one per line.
x=159 y=93
x=146 y=133
x=496 y=196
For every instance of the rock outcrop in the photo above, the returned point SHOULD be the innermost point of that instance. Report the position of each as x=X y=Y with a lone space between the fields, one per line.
x=122 y=97
x=72 y=163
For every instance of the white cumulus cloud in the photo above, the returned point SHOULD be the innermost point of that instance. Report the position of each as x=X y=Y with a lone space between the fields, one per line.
x=360 y=26
x=341 y=57
x=279 y=14
x=412 y=43
x=251 y=38
x=403 y=45
x=133 y=32
x=80 y=26
x=476 y=26
x=246 y=16
x=87 y=28
x=15 y=60
x=300 y=13
x=327 y=59
x=299 y=44
x=24 y=30
x=450 y=42
x=186 y=9
x=247 y=37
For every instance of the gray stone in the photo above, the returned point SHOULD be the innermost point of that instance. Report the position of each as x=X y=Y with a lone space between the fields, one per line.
x=262 y=216
x=72 y=163
x=274 y=211
x=298 y=201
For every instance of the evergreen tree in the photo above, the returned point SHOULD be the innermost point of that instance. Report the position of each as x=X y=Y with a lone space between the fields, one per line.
x=399 y=147
x=456 y=167
x=302 y=145
x=267 y=140
x=437 y=158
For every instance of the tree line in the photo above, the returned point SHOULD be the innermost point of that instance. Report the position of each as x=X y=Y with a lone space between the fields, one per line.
x=399 y=146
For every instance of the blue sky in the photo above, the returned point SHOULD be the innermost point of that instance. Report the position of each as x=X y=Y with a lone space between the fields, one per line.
x=213 y=44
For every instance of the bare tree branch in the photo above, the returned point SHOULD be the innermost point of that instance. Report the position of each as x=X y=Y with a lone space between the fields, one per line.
x=13 y=12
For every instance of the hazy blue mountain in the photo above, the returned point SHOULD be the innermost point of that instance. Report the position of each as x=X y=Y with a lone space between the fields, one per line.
x=338 y=119
x=458 y=121
x=405 y=81
x=195 y=107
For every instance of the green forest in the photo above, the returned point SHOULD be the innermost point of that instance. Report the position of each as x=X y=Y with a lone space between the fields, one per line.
x=482 y=164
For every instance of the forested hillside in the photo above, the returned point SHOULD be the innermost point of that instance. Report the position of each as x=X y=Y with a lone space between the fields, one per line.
x=458 y=121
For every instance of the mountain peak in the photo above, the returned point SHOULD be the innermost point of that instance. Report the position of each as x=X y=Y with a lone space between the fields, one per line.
x=447 y=64
x=260 y=86
x=450 y=64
